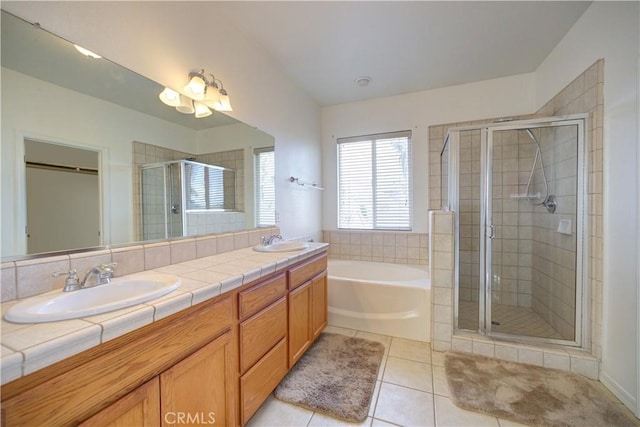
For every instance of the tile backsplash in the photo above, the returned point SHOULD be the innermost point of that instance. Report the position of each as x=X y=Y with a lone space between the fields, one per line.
x=378 y=246
x=29 y=277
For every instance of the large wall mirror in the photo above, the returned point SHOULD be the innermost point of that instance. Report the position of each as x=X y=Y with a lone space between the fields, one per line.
x=92 y=157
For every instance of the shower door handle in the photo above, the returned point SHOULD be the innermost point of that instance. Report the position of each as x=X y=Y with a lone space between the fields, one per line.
x=492 y=233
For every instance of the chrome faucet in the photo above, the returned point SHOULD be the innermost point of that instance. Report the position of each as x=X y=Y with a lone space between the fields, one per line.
x=103 y=274
x=72 y=283
x=266 y=241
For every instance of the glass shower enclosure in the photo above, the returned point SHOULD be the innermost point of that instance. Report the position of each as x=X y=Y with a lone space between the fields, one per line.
x=178 y=194
x=518 y=191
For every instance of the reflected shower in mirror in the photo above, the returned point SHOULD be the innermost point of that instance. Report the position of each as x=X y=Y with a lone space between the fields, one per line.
x=52 y=94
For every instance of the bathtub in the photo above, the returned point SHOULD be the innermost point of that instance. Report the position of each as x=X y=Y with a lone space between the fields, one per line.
x=388 y=299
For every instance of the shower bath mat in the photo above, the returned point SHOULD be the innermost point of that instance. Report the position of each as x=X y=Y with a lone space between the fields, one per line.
x=336 y=377
x=531 y=395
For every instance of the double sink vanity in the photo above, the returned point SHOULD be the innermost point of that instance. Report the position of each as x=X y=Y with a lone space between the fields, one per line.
x=211 y=357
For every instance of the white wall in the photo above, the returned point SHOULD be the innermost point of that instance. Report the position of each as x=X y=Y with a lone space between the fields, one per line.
x=83 y=122
x=165 y=40
x=416 y=111
x=610 y=30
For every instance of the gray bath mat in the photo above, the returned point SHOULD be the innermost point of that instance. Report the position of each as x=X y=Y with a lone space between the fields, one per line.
x=531 y=395
x=336 y=377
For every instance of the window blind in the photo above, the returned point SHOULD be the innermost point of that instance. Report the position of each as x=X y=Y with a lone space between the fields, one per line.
x=205 y=189
x=374 y=182
x=265 y=186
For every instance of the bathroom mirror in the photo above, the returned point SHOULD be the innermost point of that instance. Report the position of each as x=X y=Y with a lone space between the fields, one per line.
x=53 y=94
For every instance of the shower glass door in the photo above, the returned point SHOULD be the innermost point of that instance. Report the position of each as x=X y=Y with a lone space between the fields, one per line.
x=518 y=190
x=531 y=239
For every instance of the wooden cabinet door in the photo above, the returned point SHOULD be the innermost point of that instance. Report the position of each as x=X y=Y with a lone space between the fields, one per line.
x=318 y=305
x=141 y=408
x=200 y=389
x=300 y=335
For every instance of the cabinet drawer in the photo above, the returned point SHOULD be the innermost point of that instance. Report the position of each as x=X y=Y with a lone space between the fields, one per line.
x=254 y=299
x=262 y=379
x=303 y=272
x=261 y=332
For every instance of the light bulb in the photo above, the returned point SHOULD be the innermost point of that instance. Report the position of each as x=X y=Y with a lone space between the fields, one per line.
x=211 y=97
x=224 y=104
x=195 y=88
x=202 y=110
x=186 y=105
x=170 y=97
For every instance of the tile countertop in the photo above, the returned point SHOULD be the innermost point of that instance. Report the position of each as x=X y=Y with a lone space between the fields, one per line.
x=29 y=347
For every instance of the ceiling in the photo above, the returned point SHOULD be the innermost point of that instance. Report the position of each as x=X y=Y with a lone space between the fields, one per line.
x=403 y=46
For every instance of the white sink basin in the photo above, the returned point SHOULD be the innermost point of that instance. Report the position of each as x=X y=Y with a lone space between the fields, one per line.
x=281 y=247
x=120 y=293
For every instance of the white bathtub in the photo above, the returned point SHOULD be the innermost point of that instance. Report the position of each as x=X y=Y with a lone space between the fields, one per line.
x=388 y=299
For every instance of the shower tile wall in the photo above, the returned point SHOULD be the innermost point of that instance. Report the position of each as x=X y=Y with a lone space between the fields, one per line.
x=469 y=181
x=378 y=246
x=554 y=253
x=513 y=154
x=585 y=95
x=153 y=204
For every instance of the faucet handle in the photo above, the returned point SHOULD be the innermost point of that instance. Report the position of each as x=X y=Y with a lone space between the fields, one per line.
x=107 y=270
x=108 y=267
x=71 y=272
x=72 y=283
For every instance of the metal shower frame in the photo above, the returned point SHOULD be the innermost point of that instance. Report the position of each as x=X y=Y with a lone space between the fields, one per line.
x=582 y=326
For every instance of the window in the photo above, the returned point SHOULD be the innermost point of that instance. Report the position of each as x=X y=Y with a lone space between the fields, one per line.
x=265 y=186
x=374 y=182
x=206 y=187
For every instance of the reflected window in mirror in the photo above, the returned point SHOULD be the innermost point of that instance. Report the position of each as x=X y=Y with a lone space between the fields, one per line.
x=265 y=186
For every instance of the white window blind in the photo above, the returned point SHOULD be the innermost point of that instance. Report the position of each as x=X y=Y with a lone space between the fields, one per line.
x=265 y=188
x=374 y=182
x=205 y=189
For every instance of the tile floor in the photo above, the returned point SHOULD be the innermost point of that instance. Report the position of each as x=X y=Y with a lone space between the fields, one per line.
x=513 y=320
x=411 y=391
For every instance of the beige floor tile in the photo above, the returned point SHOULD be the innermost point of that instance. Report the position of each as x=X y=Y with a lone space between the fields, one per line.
x=320 y=420
x=437 y=358
x=408 y=373
x=412 y=350
x=440 y=383
x=341 y=331
x=380 y=423
x=449 y=415
x=374 y=398
x=404 y=406
x=273 y=412
x=381 y=369
x=384 y=339
x=507 y=423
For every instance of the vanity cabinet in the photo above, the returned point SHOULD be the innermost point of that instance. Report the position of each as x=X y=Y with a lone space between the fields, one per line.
x=262 y=334
x=199 y=390
x=141 y=407
x=193 y=391
x=307 y=305
x=190 y=356
x=214 y=363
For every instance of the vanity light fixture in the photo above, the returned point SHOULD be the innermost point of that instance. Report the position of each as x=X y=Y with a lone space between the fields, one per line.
x=201 y=94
